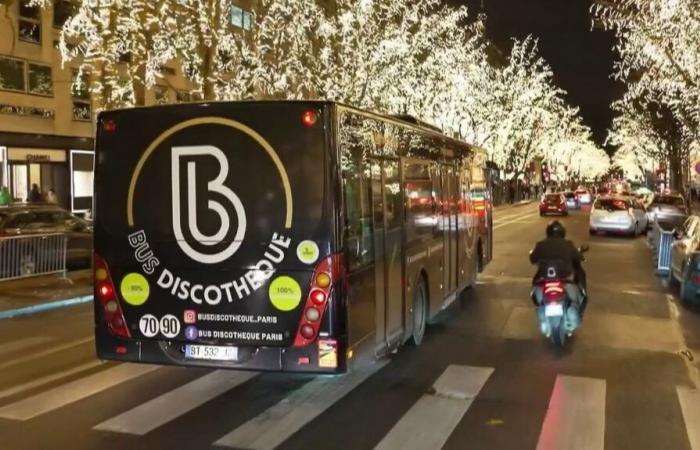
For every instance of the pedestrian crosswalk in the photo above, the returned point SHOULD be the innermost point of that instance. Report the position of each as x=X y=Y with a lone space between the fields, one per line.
x=575 y=418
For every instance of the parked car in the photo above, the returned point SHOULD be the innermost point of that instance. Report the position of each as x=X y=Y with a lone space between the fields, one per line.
x=553 y=204
x=27 y=219
x=584 y=196
x=670 y=208
x=617 y=215
x=685 y=259
x=572 y=201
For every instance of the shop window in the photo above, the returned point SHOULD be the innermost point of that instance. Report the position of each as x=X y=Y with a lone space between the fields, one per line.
x=62 y=11
x=29 y=28
x=40 y=80
x=81 y=162
x=241 y=18
x=12 y=74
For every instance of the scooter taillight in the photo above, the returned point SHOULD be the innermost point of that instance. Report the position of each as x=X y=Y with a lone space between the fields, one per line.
x=553 y=291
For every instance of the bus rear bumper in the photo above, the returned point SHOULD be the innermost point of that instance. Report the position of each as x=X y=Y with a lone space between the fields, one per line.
x=314 y=358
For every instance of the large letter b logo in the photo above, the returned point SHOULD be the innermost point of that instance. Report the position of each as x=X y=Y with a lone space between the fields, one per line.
x=216 y=186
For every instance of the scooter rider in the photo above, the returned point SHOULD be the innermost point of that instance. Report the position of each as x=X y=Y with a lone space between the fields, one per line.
x=557 y=251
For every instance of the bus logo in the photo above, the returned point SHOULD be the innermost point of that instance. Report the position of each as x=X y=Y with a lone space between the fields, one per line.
x=217 y=186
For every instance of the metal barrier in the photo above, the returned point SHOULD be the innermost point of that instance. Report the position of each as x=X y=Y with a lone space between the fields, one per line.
x=29 y=256
x=660 y=241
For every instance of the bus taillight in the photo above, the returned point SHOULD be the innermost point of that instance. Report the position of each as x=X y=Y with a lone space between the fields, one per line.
x=327 y=272
x=110 y=304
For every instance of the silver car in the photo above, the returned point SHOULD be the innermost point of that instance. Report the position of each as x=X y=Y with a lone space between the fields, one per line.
x=670 y=209
x=616 y=215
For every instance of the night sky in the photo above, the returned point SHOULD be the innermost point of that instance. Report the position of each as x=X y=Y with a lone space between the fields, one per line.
x=581 y=59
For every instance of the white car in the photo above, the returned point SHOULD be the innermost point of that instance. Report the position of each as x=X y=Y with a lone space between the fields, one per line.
x=584 y=196
x=617 y=215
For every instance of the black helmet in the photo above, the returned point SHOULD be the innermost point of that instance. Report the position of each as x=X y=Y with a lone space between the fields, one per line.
x=556 y=229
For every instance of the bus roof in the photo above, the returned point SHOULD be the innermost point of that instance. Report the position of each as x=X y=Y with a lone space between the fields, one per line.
x=403 y=120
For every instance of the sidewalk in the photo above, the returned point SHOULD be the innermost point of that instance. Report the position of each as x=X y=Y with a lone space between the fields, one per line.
x=30 y=295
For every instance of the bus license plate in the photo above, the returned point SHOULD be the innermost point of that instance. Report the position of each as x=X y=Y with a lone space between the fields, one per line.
x=554 y=310
x=212 y=352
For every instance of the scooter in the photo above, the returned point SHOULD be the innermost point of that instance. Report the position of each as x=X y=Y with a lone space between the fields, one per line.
x=557 y=320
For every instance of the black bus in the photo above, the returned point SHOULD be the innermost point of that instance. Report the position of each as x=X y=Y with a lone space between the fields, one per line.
x=278 y=236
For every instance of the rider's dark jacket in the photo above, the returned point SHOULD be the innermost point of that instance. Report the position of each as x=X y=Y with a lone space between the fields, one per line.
x=563 y=255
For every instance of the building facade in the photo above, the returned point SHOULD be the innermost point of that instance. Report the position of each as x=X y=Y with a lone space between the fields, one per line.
x=46 y=126
x=46 y=118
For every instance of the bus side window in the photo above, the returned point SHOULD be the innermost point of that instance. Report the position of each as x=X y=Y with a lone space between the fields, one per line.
x=420 y=212
x=355 y=148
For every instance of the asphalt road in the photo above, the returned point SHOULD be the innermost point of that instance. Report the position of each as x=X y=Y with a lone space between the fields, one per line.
x=483 y=379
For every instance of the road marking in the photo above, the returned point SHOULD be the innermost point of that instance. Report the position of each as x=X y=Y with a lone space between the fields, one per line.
x=23 y=343
x=72 y=392
x=519 y=219
x=279 y=422
x=575 y=418
x=690 y=406
x=47 y=352
x=431 y=421
x=161 y=410
x=48 y=379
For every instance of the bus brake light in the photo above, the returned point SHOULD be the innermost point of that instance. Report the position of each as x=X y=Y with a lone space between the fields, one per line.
x=327 y=272
x=112 y=311
x=309 y=118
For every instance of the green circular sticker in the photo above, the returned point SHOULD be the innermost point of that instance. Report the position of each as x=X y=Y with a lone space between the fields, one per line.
x=135 y=289
x=285 y=293
x=307 y=252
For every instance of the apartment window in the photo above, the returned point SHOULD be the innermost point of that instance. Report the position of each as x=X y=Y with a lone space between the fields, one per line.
x=162 y=95
x=80 y=91
x=12 y=74
x=62 y=11
x=241 y=18
x=29 y=28
x=40 y=80
x=183 y=97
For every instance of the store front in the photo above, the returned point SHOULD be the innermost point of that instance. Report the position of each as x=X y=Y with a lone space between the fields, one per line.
x=67 y=171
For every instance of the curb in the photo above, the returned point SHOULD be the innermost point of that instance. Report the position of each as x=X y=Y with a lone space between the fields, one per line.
x=43 y=307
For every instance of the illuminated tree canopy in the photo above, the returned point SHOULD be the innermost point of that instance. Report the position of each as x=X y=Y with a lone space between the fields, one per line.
x=415 y=57
x=659 y=60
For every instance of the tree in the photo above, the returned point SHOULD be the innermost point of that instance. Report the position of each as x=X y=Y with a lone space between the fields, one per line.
x=659 y=59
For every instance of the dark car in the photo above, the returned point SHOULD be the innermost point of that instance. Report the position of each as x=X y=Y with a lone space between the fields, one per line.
x=25 y=219
x=669 y=209
x=685 y=259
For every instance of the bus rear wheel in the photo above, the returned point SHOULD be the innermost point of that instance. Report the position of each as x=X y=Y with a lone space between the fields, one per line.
x=420 y=312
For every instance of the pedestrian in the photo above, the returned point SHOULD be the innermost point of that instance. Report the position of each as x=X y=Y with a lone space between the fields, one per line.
x=34 y=194
x=51 y=197
x=5 y=197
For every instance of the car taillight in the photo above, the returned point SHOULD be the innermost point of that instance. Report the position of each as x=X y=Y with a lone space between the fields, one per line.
x=326 y=273
x=112 y=311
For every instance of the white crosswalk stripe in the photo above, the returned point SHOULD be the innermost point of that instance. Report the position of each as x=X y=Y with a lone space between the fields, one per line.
x=74 y=391
x=689 y=400
x=23 y=343
x=48 y=379
x=575 y=418
x=279 y=422
x=429 y=423
x=170 y=406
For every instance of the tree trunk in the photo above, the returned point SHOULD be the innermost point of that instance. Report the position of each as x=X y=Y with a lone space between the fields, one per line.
x=676 y=173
